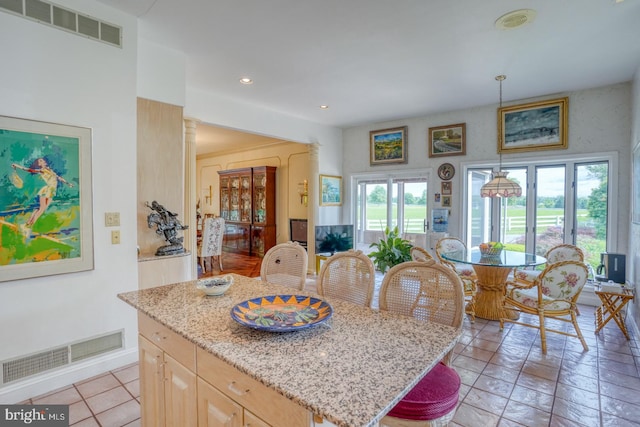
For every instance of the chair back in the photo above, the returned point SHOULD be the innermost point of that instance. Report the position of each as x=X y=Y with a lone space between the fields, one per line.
x=563 y=280
x=285 y=264
x=420 y=254
x=449 y=244
x=425 y=290
x=564 y=252
x=212 y=234
x=349 y=276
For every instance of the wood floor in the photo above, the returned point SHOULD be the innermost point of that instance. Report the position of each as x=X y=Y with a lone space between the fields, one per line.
x=234 y=263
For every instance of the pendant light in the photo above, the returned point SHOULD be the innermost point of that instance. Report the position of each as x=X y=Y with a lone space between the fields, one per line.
x=500 y=185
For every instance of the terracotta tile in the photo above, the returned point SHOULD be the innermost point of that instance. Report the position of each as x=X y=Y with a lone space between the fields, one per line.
x=531 y=397
x=577 y=395
x=477 y=353
x=501 y=373
x=470 y=416
x=622 y=380
x=135 y=423
x=108 y=399
x=580 y=381
x=536 y=383
x=612 y=420
x=527 y=415
x=620 y=408
x=469 y=363
x=576 y=412
x=466 y=376
x=557 y=421
x=495 y=386
x=120 y=415
x=133 y=387
x=65 y=396
x=78 y=412
x=618 y=392
x=539 y=370
x=127 y=374
x=487 y=401
x=89 y=422
x=97 y=385
x=508 y=423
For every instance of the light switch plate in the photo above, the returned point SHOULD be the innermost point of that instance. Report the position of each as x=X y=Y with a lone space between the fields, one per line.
x=112 y=219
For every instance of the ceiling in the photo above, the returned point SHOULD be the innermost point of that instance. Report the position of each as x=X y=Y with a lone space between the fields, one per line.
x=379 y=60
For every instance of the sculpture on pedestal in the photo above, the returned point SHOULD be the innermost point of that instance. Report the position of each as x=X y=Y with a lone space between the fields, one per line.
x=167 y=225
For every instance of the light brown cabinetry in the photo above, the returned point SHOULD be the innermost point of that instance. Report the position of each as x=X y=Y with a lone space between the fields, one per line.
x=248 y=205
x=167 y=386
x=176 y=393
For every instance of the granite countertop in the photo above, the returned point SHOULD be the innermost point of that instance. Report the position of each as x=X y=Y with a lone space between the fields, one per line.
x=351 y=370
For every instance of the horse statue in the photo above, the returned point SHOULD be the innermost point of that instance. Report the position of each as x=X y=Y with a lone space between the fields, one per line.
x=167 y=225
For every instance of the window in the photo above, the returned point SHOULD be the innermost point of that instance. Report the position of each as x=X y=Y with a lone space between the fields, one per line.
x=563 y=201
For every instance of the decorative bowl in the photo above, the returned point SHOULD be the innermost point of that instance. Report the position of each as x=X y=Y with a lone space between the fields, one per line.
x=215 y=285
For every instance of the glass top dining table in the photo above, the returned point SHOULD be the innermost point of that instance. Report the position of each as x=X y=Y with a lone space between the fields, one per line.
x=492 y=273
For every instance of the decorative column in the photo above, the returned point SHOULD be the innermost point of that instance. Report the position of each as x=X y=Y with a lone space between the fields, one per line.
x=313 y=212
x=190 y=238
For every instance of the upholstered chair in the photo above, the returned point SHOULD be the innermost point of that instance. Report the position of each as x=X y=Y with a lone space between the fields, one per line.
x=210 y=245
x=465 y=271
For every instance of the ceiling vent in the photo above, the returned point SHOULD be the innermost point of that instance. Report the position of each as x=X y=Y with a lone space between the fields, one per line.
x=516 y=19
x=64 y=19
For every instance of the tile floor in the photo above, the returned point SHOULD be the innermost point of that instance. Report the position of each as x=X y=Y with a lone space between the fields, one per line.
x=506 y=381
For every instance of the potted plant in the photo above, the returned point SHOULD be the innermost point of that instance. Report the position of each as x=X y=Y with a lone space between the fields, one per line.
x=390 y=250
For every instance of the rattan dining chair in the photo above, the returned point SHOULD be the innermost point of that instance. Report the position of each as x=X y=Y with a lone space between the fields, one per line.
x=349 y=276
x=210 y=245
x=464 y=271
x=563 y=252
x=433 y=293
x=285 y=264
x=553 y=294
x=420 y=254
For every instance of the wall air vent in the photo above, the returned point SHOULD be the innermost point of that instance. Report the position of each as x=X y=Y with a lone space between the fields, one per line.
x=65 y=19
x=33 y=364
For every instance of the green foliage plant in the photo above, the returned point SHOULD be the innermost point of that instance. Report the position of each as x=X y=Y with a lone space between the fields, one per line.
x=390 y=250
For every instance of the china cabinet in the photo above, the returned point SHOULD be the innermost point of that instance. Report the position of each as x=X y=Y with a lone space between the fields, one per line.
x=248 y=205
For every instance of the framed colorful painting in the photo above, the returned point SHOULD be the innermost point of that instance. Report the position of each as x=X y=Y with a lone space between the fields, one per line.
x=447 y=140
x=534 y=126
x=46 y=224
x=388 y=146
x=330 y=190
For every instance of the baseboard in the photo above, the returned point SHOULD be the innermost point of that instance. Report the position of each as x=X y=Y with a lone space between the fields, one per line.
x=49 y=381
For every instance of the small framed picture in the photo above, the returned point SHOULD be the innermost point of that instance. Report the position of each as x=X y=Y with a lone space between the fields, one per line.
x=388 y=146
x=436 y=198
x=446 y=201
x=330 y=190
x=445 y=188
x=447 y=140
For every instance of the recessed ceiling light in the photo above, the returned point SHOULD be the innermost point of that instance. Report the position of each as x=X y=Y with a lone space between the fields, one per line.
x=515 y=19
x=324 y=107
x=246 y=81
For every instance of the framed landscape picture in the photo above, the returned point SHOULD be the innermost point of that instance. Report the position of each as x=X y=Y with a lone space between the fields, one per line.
x=388 y=146
x=534 y=126
x=447 y=140
x=46 y=219
x=330 y=190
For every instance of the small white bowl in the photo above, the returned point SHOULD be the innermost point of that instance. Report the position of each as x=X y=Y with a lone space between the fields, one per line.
x=215 y=285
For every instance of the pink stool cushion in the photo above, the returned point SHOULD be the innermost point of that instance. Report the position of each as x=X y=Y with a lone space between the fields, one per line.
x=433 y=397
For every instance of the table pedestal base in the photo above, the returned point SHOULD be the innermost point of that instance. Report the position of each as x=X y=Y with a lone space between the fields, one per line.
x=490 y=293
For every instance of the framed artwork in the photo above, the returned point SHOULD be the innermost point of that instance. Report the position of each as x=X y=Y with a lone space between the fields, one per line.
x=330 y=190
x=447 y=140
x=46 y=203
x=446 y=171
x=446 y=201
x=388 y=146
x=534 y=126
x=445 y=188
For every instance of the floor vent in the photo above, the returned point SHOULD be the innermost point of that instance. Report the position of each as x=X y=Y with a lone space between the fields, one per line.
x=64 y=19
x=22 y=367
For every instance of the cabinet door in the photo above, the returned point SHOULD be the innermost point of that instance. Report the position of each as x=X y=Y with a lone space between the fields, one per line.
x=215 y=409
x=151 y=384
x=225 y=198
x=251 y=420
x=179 y=394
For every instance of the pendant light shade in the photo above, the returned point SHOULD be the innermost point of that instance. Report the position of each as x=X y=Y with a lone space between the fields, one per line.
x=500 y=185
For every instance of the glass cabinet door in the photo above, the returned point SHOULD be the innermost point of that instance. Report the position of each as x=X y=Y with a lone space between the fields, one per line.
x=245 y=198
x=259 y=197
x=234 y=209
x=224 y=197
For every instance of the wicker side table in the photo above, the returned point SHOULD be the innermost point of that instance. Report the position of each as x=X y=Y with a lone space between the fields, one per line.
x=614 y=299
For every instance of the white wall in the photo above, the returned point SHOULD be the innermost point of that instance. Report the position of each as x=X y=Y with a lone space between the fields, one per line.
x=51 y=75
x=633 y=274
x=599 y=120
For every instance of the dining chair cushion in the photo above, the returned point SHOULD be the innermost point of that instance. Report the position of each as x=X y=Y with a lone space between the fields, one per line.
x=529 y=297
x=435 y=395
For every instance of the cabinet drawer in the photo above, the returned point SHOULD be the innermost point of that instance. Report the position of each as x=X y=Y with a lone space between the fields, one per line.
x=267 y=404
x=178 y=347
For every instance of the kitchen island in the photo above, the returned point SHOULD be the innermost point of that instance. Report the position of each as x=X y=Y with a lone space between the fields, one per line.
x=350 y=370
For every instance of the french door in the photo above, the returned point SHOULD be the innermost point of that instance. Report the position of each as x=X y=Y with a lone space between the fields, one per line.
x=387 y=201
x=566 y=201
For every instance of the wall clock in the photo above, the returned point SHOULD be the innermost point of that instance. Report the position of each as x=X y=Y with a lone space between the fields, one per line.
x=446 y=171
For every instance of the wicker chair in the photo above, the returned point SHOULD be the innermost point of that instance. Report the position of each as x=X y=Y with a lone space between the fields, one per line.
x=349 y=276
x=420 y=254
x=564 y=252
x=285 y=264
x=431 y=292
x=466 y=272
x=211 y=242
x=553 y=294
